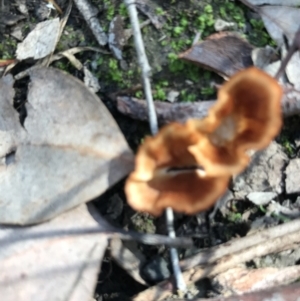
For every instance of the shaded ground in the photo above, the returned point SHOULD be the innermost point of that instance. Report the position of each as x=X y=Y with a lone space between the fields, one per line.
x=183 y=20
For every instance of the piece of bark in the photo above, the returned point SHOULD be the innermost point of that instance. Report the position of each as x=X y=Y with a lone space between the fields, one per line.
x=116 y=37
x=283 y=293
x=89 y=13
x=9 y=18
x=241 y=280
x=224 y=53
x=213 y=254
x=166 y=288
x=181 y=112
x=166 y=112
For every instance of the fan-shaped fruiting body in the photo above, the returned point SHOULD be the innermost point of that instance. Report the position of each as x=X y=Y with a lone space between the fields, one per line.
x=188 y=166
x=167 y=175
x=246 y=116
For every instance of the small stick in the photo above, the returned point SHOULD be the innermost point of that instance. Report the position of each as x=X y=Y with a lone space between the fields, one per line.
x=287 y=293
x=213 y=254
x=89 y=13
x=180 y=283
x=149 y=239
x=56 y=6
x=143 y=62
x=294 y=48
x=164 y=289
x=146 y=72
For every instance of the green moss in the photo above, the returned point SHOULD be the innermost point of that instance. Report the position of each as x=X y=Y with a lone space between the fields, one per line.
x=159 y=11
x=207 y=91
x=70 y=38
x=8 y=47
x=63 y=65
x=143 y=223
x=187 y=96
x=139 y=94
x=122 y=10
x=234 y=217
x=183 y=20
x=288 y=147
x=233 y=12
x=258 y=35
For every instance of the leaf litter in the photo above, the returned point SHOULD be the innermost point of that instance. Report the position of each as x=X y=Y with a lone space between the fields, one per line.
x=10 y=157
x=66 y=268
x=43 y=37
x=68 y=152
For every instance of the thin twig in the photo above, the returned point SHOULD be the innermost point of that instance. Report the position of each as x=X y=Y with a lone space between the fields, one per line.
x=287 y=293
x=173 y=252
x=56 y=6
x=146 y=73
x=46 y=61
x=293 y=48
x=150 y=239
x=143 y=62
x=181 y=112
x=89 y=13
x=215 y=253
x=165 y=288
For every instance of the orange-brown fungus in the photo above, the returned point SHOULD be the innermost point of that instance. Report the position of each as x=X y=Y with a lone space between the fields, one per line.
x=188 y=166
x=246 y=116
x=168 y=175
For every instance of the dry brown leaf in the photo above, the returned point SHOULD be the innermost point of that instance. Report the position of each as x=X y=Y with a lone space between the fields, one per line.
x=279 y=16
x=148 y=8
x=224 y=53
x=166 y=112
x=36 y=267
x=69 y=151
x=9 y=18
x=40 y=42
x=275 y=2
x=127 y=260
x=279 y=21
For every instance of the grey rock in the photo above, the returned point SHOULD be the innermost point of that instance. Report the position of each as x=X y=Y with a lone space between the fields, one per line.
x=172 y=96
x=297 y=141
x=262 y=223
x=263 y=174
x=292 y=181
x=261 y=198
x=262 y=57
x=280 y=260
x=221 y=25
x=156 y=270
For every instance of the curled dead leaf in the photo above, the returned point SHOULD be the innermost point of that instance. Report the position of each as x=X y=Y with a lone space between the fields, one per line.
x=68 y=151
x=224 y=53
